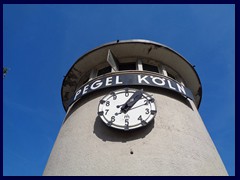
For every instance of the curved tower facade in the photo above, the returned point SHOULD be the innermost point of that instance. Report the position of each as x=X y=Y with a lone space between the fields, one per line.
x=132 y=109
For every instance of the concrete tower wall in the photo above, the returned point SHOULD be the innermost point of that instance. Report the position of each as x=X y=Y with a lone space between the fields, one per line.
x=175 y=143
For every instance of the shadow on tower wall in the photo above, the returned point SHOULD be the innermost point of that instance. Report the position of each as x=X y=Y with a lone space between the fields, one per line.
x=106 y=133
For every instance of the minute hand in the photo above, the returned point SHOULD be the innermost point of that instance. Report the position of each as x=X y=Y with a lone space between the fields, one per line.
x=131 y=101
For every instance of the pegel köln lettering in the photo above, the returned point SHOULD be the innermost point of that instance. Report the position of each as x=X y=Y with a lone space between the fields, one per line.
x=129 y=79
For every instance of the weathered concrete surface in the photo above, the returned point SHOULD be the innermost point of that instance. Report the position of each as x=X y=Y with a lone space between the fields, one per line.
x=175 y=143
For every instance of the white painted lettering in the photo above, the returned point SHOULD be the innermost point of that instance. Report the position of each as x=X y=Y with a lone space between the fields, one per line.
x=96 y=84
x=117 y=80
x=181 y=89
x=140 y=79
x=162 y=83
x=85 y=89
x=169 y=83
x=77 y=93
x=108 y=81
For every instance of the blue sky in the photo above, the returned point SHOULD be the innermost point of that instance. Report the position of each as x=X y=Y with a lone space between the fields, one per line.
x=41 y=42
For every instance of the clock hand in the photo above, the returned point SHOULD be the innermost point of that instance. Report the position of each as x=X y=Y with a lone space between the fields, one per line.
x=118 y=106
x=131 y=101
x=138 y=96
x=137 y=106
x=128 y=109
x=118 y=113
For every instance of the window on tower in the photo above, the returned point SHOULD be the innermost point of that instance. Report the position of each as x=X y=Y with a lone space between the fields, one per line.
x=127 y=66
x=171 y=76
x=148 y=67
x=104 y=71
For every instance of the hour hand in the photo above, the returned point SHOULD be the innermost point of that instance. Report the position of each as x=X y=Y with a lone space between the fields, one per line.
x=132 y=100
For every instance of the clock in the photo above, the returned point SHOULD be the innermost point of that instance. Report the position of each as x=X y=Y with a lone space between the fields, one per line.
x=127 y=109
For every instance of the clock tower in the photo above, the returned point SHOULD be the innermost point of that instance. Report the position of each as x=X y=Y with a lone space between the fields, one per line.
x=132 y=109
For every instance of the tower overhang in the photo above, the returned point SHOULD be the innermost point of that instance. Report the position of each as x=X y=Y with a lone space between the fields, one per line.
x=126 y=51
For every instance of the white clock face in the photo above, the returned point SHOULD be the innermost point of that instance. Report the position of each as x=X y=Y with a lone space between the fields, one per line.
x=127 y=109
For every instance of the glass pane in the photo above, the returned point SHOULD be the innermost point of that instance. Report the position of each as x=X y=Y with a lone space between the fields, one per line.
x=148 y=67
x=104 y=70
x=170 y=75
x=127 y=66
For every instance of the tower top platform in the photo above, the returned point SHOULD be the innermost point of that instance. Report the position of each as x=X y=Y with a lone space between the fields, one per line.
x=129 y=51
